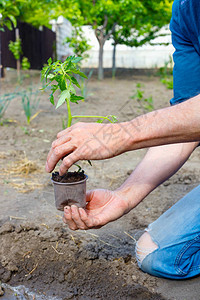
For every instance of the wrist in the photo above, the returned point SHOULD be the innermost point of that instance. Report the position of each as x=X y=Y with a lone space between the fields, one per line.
x=126 y=136
x=130 y=197
x=134 y=190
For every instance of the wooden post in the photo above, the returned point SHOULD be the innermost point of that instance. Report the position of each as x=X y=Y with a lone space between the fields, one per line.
x=18 y=60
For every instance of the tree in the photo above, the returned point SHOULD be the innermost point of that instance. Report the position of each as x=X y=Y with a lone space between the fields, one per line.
x=78 y=43
x=122 y=19
x=137 y=28
x=102 y=16
x=36 y=12
x=8 y=13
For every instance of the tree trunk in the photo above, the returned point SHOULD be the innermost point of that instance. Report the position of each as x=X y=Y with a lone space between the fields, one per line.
x=18 y=60
x=100 y=69
x=18 y=69
x=114 y=61
x=102 y=37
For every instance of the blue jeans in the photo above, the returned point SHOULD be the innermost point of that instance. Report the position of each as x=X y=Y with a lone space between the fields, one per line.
x=177 y=235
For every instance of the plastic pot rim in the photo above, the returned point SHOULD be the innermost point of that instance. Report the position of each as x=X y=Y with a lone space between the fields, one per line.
x=70 y=183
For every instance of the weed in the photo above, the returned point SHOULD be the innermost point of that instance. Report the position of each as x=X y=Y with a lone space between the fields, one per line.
x=166 y=74
x=25 y=130
x=4 y=102
x=30 y=103
x=25 y=63
x=146 y=104
x=168 y=82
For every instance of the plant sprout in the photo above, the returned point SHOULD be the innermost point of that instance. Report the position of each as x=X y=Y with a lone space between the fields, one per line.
x=61 y=77
x=30 y=103
x=4 y=102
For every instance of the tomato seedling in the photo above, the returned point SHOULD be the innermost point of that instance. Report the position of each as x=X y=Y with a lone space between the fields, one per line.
x=61 y=76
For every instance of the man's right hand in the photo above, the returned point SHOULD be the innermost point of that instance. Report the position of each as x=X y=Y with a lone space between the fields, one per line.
x=87 y=141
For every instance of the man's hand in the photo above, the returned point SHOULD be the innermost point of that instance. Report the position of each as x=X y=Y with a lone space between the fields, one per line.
x=103 y=206
x=177 y=124
x=87 y=141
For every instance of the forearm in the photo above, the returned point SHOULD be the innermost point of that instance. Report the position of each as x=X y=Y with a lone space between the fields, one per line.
x=158 y=165
x=92 y=141
x=176 y=124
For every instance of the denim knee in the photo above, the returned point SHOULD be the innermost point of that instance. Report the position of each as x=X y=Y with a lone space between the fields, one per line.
x=166 y=263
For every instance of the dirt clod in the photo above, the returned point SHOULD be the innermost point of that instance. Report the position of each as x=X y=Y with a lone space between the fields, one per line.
x=6 y=228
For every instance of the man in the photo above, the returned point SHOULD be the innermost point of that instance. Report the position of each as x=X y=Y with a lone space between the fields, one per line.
x=170 y=247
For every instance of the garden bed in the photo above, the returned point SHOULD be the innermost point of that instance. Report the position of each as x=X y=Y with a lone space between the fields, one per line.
x=37 y=250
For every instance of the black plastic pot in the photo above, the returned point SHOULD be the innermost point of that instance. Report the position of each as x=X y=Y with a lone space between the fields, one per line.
x=67 y=194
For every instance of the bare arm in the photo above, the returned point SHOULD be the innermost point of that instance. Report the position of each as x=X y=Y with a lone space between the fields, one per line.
x=159 y=164
x=105 y=206
x=176 y=124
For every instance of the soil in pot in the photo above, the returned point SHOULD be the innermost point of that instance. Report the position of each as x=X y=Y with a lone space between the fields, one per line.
x=68 y=177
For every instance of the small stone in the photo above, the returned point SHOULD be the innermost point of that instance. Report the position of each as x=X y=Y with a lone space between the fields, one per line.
x=134 y=277
x=1 y=291
x=29 y=277
x=88 y=263
x=18 y=229
x=68 y=295
x=187 y=181
x=6 y=276
x=12 y=267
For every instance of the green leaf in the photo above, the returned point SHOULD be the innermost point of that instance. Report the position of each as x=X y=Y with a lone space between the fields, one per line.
x=49 y=61
x=74 y=81
x=50 y=76
x=72 y=89
x=52 y=99
x=76 y=59
x=8 y=24
x=61 y=82
x=54 y=88
x=75 y=98
x=79 y=73
x=64 y=95
x=114 y=119
x=13 y=19
x=46 y=72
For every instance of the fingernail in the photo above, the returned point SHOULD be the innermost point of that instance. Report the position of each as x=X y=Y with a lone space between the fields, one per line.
x=73 y=208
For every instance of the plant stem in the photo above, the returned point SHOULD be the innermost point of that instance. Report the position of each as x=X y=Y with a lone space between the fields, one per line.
x=94 y=117
x=69 y=121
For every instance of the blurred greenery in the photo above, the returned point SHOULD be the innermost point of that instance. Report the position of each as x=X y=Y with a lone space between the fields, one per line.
x=129 y=22
x=144 y=104
x=166 y=74
x=78 y=43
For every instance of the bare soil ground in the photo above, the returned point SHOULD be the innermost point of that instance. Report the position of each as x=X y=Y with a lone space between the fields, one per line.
x=37 y=250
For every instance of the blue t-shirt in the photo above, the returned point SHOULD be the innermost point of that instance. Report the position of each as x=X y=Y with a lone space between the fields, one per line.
x=185 y=28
